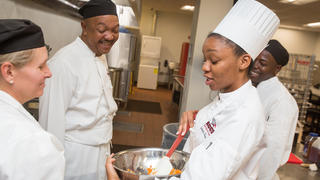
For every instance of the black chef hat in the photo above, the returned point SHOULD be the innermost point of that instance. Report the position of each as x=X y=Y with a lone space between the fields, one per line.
x=18 y=35
x=98 y=8
x=279 y=53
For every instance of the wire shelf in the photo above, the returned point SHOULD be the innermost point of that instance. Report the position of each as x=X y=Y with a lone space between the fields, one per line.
x=296 y=76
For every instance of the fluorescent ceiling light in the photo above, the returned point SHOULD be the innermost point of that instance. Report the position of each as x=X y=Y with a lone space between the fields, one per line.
x=287 y=1
x=316 y=24
x=297 y=2
x=187 y=8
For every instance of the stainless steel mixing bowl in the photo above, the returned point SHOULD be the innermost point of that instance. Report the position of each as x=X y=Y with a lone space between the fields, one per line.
x=138 y=160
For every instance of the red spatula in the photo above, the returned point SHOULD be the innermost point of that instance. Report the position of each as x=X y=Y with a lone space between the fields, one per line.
x=164 y=166
x=176 y=143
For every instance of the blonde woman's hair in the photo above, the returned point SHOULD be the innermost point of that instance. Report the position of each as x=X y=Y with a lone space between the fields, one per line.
x=18 y=59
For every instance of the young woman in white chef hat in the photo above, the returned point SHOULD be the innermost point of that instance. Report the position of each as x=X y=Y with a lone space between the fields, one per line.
x=225 y=139
x=26 y=150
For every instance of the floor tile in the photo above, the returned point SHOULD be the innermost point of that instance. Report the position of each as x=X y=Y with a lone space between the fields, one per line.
x=153 y=123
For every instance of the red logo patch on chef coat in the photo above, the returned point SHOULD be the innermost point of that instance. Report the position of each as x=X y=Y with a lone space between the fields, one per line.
x=214 y=123
x=208 y=128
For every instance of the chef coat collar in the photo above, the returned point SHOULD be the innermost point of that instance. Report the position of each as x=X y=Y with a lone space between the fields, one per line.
x=224 y=96
x=267 y=82
x=9 y=99
x=85 y=47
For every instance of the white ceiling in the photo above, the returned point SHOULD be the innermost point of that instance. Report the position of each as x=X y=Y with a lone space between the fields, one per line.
x=290 y=14
x=168 y=5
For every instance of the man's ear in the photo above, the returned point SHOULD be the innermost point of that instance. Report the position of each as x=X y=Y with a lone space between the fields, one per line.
x=278 y=68
x=84 y=27
x=245 y=61
x=7 y=71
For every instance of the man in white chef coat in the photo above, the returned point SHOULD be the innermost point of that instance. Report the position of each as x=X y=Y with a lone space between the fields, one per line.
x=77 y=105
x=280 y=107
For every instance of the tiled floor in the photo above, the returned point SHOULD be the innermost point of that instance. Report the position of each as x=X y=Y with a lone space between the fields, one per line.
x=153 y=123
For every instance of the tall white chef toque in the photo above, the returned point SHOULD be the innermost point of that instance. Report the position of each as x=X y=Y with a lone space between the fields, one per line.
x=250 y=25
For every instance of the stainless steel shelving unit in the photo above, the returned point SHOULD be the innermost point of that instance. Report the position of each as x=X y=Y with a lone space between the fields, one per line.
x=297 y=77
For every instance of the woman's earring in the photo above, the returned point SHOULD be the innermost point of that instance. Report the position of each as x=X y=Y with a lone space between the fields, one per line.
x=11 y=81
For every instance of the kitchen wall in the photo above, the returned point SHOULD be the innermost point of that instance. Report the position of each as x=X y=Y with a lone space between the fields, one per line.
x=299 y=42
x=146 y=20
x=174 y=29
x=59 y=30
x=317 y=48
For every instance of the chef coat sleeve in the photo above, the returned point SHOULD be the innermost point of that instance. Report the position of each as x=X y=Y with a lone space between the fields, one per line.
x=280 y=130
x=36 y=157
x=222 y=154
x=56 y=98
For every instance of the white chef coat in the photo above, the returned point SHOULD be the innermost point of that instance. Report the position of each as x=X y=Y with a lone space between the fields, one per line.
x=26 y=150
x=77 y=106
x=226 y=141
x=281 y=114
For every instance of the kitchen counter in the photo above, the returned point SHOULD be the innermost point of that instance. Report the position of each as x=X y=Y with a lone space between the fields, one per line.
x=297 y=172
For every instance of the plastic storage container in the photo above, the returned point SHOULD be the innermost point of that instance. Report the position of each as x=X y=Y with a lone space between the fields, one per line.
x=308 y=143
x=314 y=155
x=169 y=136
